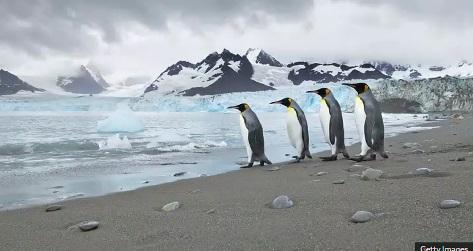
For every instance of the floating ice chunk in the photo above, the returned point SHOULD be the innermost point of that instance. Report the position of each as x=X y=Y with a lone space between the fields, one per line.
x=122 y=119
x=115 y=142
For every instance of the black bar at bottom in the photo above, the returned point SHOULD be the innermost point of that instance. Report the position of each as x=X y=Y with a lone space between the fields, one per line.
x=444 y=246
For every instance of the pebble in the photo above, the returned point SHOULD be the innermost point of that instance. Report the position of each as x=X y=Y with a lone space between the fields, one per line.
x=418 y=151
x=371 y=174
x=411 y=145
x=88 y=225
x=338 y=182
x=362 y=216
x=179 y=174
x=211 y=211
x=171 y=206
x=196 y=191
x=461 y=159
x=423 y=171
x=145 y=182
x=355 y=175
x=275 y=168
x=53 y=208
x=282 y=201
x=446 y=204
x=321 y=173
x=356 y=168
x=457 y=116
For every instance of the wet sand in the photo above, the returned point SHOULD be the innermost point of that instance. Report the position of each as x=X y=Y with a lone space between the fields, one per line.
x=230 y=211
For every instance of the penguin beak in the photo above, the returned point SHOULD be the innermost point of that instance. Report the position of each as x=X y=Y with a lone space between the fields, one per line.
x=350 y=85
x=276 y=102
x=233 y=107
x=314 y=91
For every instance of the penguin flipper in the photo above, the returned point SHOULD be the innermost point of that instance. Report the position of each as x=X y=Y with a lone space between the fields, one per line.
x=256 y=140
x=369 y=125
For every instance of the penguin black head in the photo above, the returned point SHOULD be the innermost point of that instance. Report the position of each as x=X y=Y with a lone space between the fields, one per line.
x=241 y=107
x=285 y=101
x=359 y=87
x=323 y=92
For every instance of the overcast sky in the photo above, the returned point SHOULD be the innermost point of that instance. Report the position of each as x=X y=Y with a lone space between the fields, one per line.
x=127 y=39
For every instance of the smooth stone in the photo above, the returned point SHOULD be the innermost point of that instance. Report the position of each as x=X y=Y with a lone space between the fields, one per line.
x=179 y=174
x=461 y=159
x=371 y=174
x=171 y=206
x=446 y=204
x=356 y=168
x=282 y=201
x=275 y=168
x=211 y=211
x=355 y=175
x=457 y=116
x=362 y=216
x=145 y=182
x=321 y=173
x=88 y=225
x=423 y=171
x=337 y=182
x=53 y=208
x=411 y=145
x=418 y=151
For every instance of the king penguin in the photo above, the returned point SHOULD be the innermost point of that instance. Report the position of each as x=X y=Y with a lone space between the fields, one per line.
x=252 y=133
x=331 y=120
x=297 y=129
x=369 y=123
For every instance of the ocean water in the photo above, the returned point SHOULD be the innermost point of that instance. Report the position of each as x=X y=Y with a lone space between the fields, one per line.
x=56 y=155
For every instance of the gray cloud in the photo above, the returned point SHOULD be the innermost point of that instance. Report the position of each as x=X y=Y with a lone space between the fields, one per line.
x=141 y=38
x=452 y=14
x=72 y=26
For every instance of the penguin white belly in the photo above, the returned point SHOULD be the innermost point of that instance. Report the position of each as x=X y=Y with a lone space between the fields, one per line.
x=294 y=130
x=324 y=115
x=244 y=135
x=360 y=118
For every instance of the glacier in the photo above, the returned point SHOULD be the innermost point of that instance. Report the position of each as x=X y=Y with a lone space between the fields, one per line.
x=122 y=120
x=437 y=94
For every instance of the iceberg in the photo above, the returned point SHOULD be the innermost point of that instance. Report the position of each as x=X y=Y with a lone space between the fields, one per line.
x=122 y=120
x=115 y=142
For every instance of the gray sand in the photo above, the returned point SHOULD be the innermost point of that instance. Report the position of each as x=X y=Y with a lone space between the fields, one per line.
x=406 y=206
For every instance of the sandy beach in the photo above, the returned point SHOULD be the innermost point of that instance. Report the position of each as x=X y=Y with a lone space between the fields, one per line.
x=230 y=211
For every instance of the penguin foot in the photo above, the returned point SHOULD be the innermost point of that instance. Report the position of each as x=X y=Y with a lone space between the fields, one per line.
x=261 y=163
x=329 y=158
x=360 y=158
x=247 y=166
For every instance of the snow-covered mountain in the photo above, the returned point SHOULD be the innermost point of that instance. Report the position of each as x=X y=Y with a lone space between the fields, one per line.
x=397 y=71
x=87 y=80
x=11 y=84
x=257 y=70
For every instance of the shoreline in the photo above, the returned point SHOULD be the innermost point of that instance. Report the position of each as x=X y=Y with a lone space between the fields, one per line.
x=129 y=180
x=242 y=220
